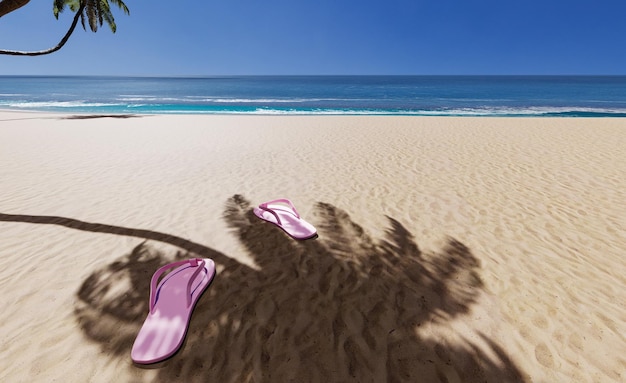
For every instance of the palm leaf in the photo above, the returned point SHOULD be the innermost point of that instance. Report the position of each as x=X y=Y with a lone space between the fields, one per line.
x=95 y=12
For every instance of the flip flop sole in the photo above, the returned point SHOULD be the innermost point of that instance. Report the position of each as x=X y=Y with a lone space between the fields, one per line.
x=165 y=328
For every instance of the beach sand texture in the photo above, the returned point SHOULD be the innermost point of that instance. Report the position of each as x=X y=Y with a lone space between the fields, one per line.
x=449 y=249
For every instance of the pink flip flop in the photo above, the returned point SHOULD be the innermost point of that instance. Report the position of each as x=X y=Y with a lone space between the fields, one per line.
x=283 y=214
x=171 y=304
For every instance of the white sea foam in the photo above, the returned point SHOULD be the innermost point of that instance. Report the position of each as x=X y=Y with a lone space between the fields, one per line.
x=152 y=108
x=225 y=100
x=448 y=112
x=260 y=100
x=55 y=104
x=524 y=111
x=151 y=98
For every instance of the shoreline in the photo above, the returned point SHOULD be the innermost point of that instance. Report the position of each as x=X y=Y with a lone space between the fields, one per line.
x=330 y=113
x=530 y=289
x=69 y=114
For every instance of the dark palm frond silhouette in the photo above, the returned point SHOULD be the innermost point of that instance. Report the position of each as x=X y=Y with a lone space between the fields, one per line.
x=340 y=308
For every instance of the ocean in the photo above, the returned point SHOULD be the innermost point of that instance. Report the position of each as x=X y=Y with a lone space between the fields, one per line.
x=578 y=96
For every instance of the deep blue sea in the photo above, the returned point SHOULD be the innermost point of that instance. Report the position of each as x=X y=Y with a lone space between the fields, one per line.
x=580 y=96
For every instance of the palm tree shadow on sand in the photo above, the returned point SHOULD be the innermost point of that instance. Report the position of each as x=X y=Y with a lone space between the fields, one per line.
x=339 y=308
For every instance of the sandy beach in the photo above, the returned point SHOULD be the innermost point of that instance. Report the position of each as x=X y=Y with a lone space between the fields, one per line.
x=449 y=249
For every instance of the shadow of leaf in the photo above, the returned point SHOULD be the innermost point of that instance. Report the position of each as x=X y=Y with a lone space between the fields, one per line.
x=112 y=302
x=340 y=308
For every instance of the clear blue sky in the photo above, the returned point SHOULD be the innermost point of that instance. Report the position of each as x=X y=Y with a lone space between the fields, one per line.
x=209 y=37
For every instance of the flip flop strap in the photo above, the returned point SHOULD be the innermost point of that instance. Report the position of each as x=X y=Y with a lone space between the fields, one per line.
x=198 y=263
x=265 y=207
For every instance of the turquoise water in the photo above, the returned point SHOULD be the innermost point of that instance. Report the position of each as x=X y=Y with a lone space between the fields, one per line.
x=579 y=96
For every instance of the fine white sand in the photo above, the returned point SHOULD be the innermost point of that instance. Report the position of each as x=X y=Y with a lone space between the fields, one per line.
x=449 y=249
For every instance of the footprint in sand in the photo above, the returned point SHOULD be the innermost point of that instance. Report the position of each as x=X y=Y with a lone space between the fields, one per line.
x=540 y=321
x=543 y=355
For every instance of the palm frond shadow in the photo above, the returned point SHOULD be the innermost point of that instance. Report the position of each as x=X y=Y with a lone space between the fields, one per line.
x=342 y=307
